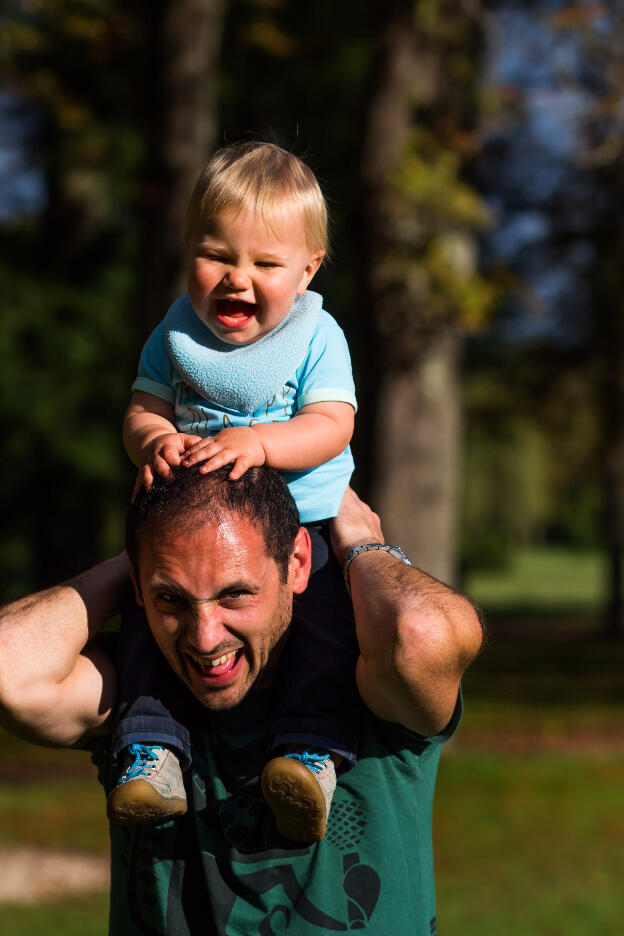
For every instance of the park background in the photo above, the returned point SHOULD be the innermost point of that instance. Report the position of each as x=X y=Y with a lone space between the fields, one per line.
x=472 y=155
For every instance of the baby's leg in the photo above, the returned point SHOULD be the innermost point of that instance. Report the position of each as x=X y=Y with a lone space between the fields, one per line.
x=151 y=746
x=317 y=705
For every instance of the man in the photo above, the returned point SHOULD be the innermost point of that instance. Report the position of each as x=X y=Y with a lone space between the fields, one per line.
x=215 y=576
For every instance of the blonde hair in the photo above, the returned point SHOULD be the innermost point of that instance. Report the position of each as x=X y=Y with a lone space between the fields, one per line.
x=264 y=178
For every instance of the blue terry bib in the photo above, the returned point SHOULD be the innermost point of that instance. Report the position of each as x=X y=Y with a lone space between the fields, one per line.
x=239 y=377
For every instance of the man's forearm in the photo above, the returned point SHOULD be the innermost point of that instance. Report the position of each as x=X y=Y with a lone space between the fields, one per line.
x=416 y=638
x=416 y=635
x=49 y=690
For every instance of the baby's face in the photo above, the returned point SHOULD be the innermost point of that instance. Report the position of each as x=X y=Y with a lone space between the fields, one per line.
x=243 y=277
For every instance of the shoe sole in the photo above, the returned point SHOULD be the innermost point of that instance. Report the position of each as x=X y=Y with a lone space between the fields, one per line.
x=137 y=802
x=296 y=799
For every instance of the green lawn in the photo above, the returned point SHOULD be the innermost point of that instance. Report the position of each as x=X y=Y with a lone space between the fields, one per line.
x=80 y=916
x=530 y=845
x=59 y=814
x=541 y=580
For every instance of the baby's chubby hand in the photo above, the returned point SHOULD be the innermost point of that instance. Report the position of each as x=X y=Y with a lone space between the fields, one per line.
x=162 y=454
x=239 y=445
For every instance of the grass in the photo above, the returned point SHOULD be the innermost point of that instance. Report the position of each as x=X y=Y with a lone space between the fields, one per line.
x=81 y=916
x=545 y=580
x=69 y=815
x=530 y=846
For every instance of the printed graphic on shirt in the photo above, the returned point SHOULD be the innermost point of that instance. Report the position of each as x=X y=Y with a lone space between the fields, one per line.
x=257 y=880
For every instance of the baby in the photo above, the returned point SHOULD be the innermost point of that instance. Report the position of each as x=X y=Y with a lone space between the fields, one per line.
x=248 y=369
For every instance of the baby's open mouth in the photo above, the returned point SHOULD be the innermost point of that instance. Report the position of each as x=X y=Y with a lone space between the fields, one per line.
x=234 y=313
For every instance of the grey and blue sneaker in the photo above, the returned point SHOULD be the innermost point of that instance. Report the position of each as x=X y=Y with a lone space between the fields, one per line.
x=298 y=788
x=150 y=789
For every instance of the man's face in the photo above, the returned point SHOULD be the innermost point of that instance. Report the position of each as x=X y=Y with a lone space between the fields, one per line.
x=217 y=605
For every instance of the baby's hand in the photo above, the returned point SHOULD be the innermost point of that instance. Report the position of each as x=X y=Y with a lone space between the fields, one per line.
x=239 y=445
x=162 y=454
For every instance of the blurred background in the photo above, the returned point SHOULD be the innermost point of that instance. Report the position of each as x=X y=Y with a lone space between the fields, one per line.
x=472 y=154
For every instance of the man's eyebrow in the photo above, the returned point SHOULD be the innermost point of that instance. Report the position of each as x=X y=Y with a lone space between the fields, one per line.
x=158 y=584
x=239 y=586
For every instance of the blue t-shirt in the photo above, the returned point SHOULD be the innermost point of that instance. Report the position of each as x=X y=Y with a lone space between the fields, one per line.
x=213 y=385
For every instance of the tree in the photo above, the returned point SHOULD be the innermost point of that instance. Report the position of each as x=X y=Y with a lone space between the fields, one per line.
x=418 y=269
x=180 y=127
x=123 y=99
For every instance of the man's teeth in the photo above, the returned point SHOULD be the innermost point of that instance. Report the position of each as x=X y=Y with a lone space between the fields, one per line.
x=218 y=662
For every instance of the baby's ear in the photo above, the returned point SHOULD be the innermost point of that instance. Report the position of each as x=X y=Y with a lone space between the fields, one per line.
x=310 y=269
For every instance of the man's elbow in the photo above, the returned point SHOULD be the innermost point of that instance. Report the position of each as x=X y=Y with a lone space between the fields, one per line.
x=443 y=637
x=29 y=714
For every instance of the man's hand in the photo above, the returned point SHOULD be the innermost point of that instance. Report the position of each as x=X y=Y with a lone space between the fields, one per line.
x=239 y=445
x=354 y=525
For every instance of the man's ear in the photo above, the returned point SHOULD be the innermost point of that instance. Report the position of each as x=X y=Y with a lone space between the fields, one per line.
x=300 y=562
x=137 y=588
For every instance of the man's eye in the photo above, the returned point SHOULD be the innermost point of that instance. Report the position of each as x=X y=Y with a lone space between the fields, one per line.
x=234 y=597
x=168 y=601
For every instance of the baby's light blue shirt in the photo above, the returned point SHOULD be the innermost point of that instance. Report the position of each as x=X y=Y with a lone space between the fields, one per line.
x=213 y=385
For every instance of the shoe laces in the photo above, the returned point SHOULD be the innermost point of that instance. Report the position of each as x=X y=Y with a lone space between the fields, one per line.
x=314 y=761
x=143 y=755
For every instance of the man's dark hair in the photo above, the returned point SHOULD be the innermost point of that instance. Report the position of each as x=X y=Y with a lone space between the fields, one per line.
x=189 y=499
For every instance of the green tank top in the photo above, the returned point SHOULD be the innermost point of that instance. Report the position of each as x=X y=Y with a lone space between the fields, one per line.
x=223 y=869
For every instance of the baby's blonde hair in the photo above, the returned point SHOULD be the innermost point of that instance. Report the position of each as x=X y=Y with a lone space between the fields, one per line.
x=264 y=178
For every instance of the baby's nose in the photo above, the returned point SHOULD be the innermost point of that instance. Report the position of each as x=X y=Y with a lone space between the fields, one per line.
x=238 y=278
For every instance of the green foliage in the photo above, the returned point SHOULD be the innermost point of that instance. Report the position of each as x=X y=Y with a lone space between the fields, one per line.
x=436 y=215
x=62 y=348
x=530 y=472
x=65 y=356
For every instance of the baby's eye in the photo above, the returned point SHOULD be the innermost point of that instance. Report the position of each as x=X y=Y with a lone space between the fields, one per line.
x=266 y=264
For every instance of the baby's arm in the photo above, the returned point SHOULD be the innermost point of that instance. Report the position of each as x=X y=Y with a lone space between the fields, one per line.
x=316 y=434
x=151 y=438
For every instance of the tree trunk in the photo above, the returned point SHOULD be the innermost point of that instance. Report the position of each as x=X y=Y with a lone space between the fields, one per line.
x=181 y=111
x=608 y=342
x=409 y=424
x=417 y=453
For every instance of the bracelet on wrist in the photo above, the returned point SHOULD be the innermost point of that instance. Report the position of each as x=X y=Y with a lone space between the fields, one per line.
x=395 y=551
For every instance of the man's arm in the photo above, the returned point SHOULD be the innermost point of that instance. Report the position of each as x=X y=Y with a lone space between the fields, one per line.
x=54 y=688
x=416 y=635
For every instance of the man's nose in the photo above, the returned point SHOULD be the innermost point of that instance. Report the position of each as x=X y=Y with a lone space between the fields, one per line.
x=207 y=630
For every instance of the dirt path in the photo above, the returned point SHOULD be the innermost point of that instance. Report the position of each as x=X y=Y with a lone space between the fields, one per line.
x=29 y=875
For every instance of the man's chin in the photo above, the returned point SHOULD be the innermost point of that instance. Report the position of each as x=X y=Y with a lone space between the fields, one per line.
x=220 y=700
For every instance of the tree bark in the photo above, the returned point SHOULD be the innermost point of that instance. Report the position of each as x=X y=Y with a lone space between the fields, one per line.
x=181 y=112
x=410 y=420
x=417 y=454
